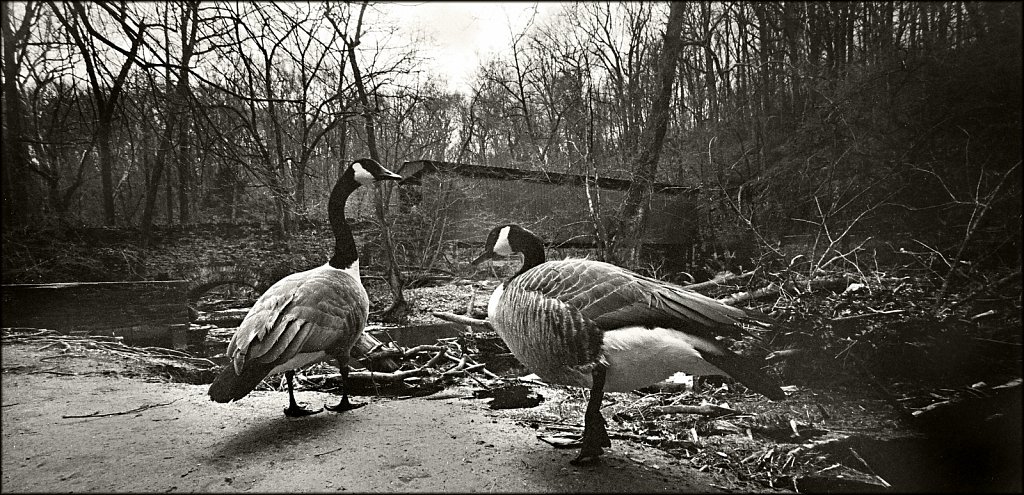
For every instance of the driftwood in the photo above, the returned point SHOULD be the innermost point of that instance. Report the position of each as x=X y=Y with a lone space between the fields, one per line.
x=379 y=376
x=704 y=409
x=366 y=344
x=422 y=348
x=464 y=320
x=470 y=363
x=464 y=364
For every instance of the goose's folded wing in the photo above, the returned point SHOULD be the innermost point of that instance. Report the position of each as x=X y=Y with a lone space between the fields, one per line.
x=614 y=297
x=299 y=315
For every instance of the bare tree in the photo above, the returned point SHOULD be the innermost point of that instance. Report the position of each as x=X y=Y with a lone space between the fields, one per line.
x=176 y=107
x=399 y=309
x=15 y=150
x=107 y=87
x=634 y=209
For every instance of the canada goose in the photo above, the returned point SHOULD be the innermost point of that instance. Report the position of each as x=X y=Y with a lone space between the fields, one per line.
x=308 y=316
x=593 y=324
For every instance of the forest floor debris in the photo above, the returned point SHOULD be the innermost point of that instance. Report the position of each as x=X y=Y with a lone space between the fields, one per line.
x=878 y=378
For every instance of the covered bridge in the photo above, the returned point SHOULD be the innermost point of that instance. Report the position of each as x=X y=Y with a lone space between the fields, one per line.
x=471 y=199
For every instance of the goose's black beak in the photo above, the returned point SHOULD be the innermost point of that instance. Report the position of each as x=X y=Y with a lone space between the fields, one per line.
x=388 y=175
x=480 y=259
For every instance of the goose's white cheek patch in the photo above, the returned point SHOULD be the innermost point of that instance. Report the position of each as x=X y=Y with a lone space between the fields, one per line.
x=362 y=176
x=501 y=246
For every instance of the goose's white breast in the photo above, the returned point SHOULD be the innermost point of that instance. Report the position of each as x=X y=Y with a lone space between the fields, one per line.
x=492 y=303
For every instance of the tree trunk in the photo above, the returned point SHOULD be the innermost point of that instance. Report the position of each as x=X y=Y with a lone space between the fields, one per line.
x=163 y=145
x=175 y=108
x=106 y=157
x=15 y=152
x=169 y=197
x=184 y=170
x=633 y=213
x=399 y=310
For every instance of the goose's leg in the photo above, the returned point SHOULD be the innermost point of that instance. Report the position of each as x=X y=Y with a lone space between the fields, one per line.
x=595 y=435
x=344 y=405
x=294 y=410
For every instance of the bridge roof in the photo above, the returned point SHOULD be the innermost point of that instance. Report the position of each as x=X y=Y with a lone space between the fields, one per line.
x=414 y=170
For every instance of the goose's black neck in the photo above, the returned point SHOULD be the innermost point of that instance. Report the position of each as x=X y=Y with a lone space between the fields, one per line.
x=345 y=252
x=533 y=255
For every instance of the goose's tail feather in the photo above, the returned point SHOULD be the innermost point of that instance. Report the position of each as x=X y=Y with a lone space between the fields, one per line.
x=745 y=371
x=230 y=386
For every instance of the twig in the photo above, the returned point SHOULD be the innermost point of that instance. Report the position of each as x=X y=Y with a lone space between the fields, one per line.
x=706 y=409
x=470 y=301
x=867 y=315
x=872 y=471
x=771 y=290
x=720 y=281
x=137 y=409
x=46 y=358
x=64 y=346
x=60 y=373
x=330 y=451
x=987 y=287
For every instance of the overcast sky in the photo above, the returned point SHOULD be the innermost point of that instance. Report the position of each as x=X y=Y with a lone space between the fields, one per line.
x=465 y=33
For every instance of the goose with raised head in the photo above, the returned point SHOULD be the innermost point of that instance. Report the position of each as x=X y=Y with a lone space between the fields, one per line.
x=308 y=316
x=596 y=325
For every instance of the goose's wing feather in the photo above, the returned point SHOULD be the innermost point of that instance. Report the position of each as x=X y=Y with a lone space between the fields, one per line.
x=312 y=311
x=614 y=297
